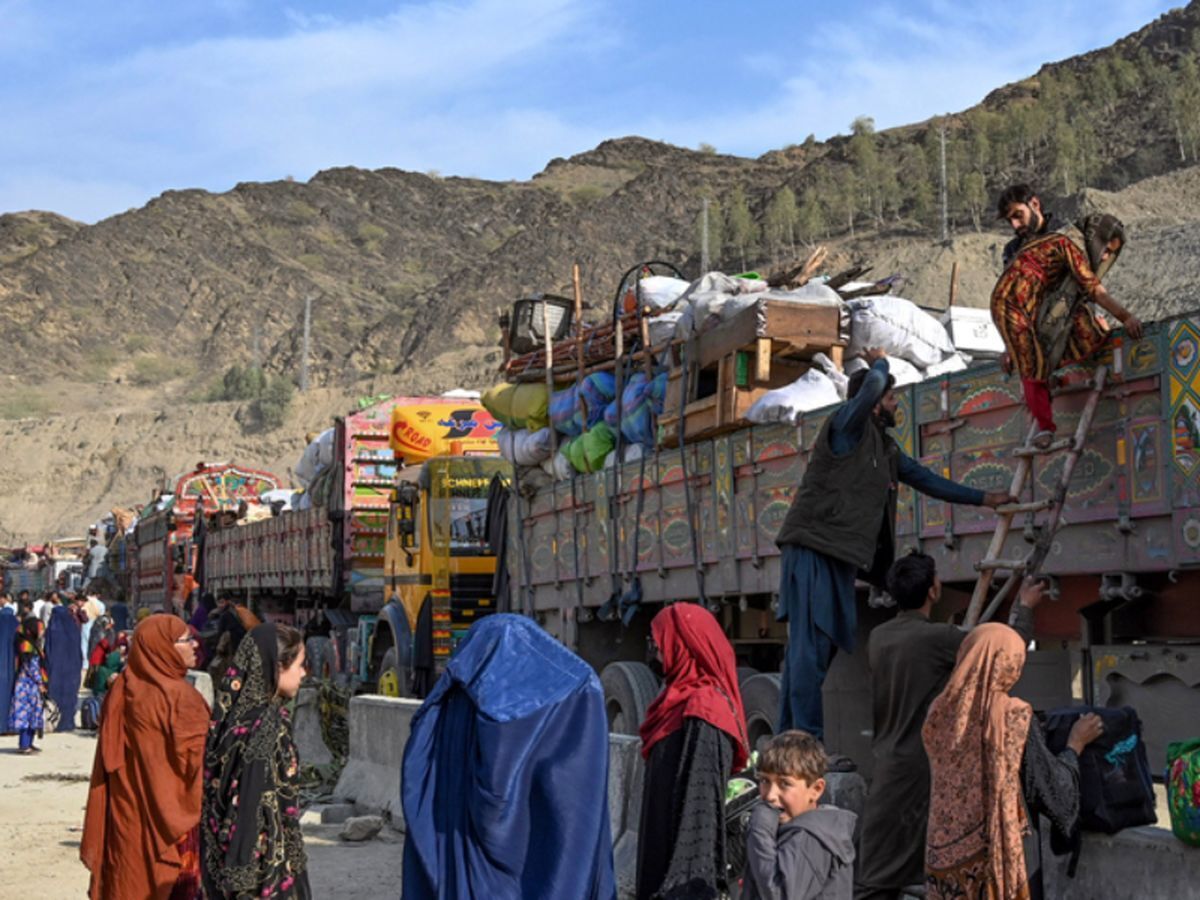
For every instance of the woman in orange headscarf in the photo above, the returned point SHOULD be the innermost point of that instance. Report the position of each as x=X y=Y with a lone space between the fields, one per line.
x=140 y=835
x=991 y=770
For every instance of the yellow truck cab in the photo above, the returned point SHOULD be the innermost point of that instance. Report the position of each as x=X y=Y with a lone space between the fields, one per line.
x=438 y=565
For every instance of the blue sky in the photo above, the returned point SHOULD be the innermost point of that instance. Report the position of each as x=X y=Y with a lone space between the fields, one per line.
x=105 y=105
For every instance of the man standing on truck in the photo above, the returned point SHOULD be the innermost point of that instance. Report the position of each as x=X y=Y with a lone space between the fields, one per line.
x=1041 y=325
x=843 y=520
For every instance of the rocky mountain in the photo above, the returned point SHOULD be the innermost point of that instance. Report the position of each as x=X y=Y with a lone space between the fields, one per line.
x=118 y=329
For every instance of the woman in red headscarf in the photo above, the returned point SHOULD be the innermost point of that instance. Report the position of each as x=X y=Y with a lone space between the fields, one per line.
x=140 y=835
x=693 y=737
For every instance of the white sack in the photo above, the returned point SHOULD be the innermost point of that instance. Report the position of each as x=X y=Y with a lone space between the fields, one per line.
x=812 y=390
x=955 y=363
x=562 y=469
x=317 y=457
x=899 y=327
x=630 y=452
x=662 y=327
x=904 y=372
x=705 y=301
x=661 y=291
x=901 y=369
x=525 y=448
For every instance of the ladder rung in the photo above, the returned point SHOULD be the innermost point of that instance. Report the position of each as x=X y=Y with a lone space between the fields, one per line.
x=1014 y=508
x=1061 y=444
x=1013 y=565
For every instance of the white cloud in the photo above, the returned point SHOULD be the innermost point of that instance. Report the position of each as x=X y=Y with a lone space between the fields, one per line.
x=493 y=88
x=368 y=93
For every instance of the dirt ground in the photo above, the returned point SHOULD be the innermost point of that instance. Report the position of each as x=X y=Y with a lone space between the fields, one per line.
x=42 y=799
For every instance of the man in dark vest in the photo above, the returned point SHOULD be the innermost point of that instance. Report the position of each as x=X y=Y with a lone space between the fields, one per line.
x=843 y=520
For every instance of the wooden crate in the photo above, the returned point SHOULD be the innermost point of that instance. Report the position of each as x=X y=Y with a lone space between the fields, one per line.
x=765 y=346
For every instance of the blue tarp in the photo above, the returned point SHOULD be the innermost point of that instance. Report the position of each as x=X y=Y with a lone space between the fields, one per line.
x=504 y=783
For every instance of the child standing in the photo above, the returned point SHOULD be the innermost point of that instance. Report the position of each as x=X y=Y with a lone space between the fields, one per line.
x=797 y=849
x=27 y=716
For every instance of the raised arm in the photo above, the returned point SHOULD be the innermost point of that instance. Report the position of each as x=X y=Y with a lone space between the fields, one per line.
x=852 y=418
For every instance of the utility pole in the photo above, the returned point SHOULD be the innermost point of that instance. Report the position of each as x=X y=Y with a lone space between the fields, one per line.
x=704 y=238
x=307 y=334
x=945 y=194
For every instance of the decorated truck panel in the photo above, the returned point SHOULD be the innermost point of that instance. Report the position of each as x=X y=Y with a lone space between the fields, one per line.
x=594 y=557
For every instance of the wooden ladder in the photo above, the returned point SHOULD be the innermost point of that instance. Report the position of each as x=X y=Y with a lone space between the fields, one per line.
x=1030 y=564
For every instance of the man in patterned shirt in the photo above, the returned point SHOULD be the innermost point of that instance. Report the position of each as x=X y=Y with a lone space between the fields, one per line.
x=1040 y=262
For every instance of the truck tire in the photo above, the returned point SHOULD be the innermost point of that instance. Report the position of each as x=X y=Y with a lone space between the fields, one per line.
x=760 y=698
x=629 y=687
x=320 y=657
x=393 y=680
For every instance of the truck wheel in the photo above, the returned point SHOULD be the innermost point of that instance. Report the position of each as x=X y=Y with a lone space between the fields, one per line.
x=393 y=681
x=628 y=689
x=760 y=698
x=319 y=655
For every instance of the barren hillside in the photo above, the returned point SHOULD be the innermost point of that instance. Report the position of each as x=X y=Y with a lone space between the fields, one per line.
x=114 y=334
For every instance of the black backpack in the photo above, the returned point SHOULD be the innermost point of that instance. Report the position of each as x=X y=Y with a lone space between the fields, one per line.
x=1115 y=790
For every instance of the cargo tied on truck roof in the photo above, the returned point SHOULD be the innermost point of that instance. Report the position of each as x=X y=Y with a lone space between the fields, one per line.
x=624 y=501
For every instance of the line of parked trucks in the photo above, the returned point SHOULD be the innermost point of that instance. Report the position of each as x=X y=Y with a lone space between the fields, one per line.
x=394 y=556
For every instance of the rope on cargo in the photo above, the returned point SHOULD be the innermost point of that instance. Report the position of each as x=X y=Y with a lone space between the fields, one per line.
x=685 y=365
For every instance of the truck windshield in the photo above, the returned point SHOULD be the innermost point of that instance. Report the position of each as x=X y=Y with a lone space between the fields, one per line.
x=458 y=503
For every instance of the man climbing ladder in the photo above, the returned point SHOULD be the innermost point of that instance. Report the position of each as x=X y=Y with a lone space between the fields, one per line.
x=1040 y=303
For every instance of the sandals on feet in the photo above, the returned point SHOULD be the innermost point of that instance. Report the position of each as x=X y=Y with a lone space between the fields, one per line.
x=1043 y=439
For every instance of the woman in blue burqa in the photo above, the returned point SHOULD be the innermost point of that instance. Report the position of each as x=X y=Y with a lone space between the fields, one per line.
x=8 y=660
x=504 y=780
x=64 y=662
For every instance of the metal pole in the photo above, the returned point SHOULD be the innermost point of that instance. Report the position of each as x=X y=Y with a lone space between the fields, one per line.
x=945 y=194
x=307 y=336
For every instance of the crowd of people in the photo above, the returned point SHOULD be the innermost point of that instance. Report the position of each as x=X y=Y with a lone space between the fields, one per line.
x=962 y=770
x=499 y=786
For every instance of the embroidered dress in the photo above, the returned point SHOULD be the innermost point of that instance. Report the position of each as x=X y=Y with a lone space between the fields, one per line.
x=27 y=709
x=250 y=839
x=1040 y=268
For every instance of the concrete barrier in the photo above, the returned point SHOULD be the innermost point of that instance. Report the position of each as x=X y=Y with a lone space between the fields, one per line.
x=625 y=775
x=379 y=729
x=306 y=730
x=1137 y=864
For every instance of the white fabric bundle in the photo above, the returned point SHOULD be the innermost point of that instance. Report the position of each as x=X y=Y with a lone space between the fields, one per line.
x=900 y=328
x=525 y=448
x=661 y=291
x=317 y=457
x=812 y=390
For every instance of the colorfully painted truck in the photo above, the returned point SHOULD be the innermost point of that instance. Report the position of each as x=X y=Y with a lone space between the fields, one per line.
x=594 y=557
x=163 y=552
x=417 y=460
